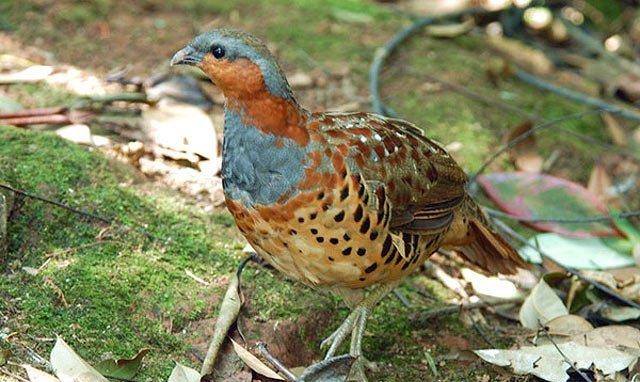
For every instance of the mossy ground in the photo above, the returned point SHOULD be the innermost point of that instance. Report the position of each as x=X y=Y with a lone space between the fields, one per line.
x=119 y=291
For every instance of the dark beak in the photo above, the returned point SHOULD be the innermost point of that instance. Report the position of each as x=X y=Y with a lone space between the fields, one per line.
x=187 y=56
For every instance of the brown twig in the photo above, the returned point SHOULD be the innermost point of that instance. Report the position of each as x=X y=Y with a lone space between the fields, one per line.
x=53 y=119
x=15 y=376
x=58 y=291
x=422 y=318
x=32 y=112
x=277 y=364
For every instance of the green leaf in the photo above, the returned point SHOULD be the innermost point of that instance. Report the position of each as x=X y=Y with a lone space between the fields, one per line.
x=121 y=368
x=585 y=253
x=538 y=196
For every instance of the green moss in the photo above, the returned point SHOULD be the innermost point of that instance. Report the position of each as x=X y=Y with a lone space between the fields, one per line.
x=83 y=12
x=119 y=295
x=41 y=95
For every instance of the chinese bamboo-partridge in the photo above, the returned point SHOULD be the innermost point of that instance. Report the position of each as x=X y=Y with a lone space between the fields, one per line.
x=340 y=201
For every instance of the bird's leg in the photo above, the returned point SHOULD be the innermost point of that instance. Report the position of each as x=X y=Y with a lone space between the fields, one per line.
x=355 y=323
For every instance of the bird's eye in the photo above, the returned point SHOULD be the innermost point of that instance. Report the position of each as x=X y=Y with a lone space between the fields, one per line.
x=217 y=51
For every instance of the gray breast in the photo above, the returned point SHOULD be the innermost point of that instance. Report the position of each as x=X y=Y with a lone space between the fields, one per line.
x=254 y=169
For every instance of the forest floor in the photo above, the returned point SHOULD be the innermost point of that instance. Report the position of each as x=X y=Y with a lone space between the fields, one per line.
x=109 y=290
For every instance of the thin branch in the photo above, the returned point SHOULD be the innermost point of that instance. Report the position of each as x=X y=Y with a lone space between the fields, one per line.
x=421 y=318
x=564 y=356
x=80 y=212
x=277 y=364
x=575 y=96
x=32 y=112
x=477 y=96
x=385 y=51
x=10 y=374
x=401 y=297
x=528 y=133
x=587 y=219
x=482 y=334
x=58 y=204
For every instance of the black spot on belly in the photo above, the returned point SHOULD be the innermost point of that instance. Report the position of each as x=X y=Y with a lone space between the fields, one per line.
x=313 y=215
x=347 y=251
x=339 y=216
x=371 y=268
x=365 y=225
x=346 y=237
x=314 y=231
x=320 y=239
x=345 y=192
x=301 y=220
x=386 y=246
x=362 y=278
x=320 y=195
x=361 y=190
x=357 y=216
x=331 y=258
x=293 y=232
x=361 y=251
x=374 y=235
x=334 y=241
x=391 y=256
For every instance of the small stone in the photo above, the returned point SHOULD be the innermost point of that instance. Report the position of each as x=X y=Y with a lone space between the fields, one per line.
x=210 y=167
x=81 y=134
x=300 y=80
x=181 y=127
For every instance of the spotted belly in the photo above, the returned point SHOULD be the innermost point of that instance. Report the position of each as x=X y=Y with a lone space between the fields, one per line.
x=333 y=236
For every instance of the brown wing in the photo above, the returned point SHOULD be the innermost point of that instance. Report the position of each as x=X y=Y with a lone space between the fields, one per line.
x=423 y=183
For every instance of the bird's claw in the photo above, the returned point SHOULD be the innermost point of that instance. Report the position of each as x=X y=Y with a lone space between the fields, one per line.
x=338 y=336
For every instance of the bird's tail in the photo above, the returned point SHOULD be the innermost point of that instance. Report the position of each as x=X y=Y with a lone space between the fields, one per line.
x=478 y=242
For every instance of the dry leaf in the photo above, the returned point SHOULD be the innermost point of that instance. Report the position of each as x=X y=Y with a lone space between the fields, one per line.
x=70 y=367
x=541 y=306
x=31 y=74
x=618 y=136
x=524 y=154
x=181 y=373
x=599 y=183
x=568 y=325
x=491 y=288
x=36 y=375
x=227 y=316
x=254 y=363
x=611 y=337
x=530 y=59
x=122 y=368
x=450 y=30
x=548 y=363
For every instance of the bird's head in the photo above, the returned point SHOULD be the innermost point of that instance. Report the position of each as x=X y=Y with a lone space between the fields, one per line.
x=237 y=62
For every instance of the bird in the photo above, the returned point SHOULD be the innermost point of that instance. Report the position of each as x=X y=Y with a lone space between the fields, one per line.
x=349 y=203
